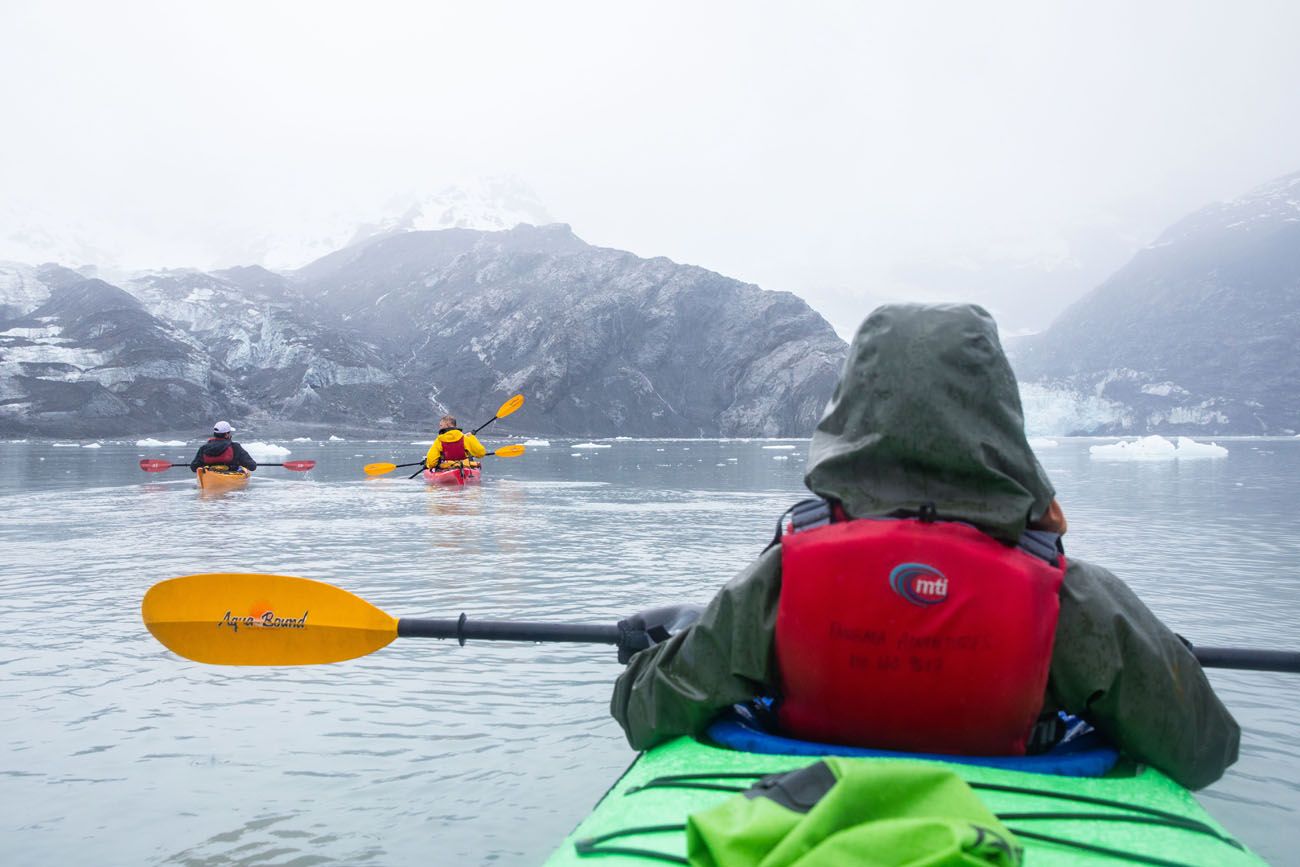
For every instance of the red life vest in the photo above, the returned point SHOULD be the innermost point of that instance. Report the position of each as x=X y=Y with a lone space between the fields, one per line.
x=225 y=457
x=912 y=635
x=452 y=451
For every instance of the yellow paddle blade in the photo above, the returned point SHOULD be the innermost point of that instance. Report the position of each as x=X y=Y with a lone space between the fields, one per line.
x=510 y=406
x=378 y=469
x=513 y=451
x=242 y=619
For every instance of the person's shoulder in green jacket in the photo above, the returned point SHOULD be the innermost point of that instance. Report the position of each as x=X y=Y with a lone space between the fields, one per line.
x=928 y=410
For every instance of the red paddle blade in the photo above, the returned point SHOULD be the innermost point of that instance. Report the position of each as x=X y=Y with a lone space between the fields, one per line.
x=151 y=466
x=300 y=466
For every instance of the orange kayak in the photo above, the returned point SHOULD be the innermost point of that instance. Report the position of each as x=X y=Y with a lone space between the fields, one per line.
x=457 y=476
x=221 y=480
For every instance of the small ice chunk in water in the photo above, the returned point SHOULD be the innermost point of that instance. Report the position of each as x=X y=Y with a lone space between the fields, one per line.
x=591 y=446
x=1152 y=448
x=1190 y=448
x=780 y=457
x=93 y=446
x=335 y=439
x=782 y=448
x=302 y=439
x=149 y=442
x=1157 y=448
x=1042 y=443
x=265 y=450
x=534 y=444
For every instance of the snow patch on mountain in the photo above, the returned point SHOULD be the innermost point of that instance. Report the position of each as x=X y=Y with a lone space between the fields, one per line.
x=21 y=289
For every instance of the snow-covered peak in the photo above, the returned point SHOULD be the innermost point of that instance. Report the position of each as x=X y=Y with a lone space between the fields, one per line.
x=27 y=236
x=21 y=289
x=487 y=204
x=285 y=241
x=1268 y=206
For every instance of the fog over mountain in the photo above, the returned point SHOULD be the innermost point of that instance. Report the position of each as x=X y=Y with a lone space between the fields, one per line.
x=1197 y=333
x=394 y=330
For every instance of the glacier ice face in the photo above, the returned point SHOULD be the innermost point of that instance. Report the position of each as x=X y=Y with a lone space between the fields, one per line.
x=1056 y=411
x=1197 y=333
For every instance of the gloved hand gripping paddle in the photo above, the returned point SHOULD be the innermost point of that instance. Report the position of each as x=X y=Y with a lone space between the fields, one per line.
x=653 y=626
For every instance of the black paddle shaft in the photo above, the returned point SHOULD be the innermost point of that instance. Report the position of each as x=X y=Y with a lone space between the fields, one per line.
x=462 y=630
x=1247 y=659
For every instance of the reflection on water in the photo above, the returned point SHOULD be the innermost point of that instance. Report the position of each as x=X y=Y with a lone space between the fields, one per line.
x=112 y=746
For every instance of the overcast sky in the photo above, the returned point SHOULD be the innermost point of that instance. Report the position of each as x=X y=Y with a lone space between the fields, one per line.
x=1011 y=154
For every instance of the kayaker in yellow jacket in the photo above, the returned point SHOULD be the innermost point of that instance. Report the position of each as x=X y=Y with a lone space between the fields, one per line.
x=453 y=448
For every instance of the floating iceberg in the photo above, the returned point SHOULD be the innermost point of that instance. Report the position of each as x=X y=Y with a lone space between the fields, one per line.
x=533 y=444
x=335 y=439
x=591 y=446
x=1190 y=448
x=93 y=446
x=66 y=445
x=780 y=457
x=302 y=439
x=1157 y=448
x=150 y=442
x=779 y=447
x=265 y=450
x=1042 y=443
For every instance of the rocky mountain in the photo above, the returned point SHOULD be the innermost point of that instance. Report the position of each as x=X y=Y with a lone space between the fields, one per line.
x=1197 y=333
x=601 y=340
x=400 y=327
x=81 y=354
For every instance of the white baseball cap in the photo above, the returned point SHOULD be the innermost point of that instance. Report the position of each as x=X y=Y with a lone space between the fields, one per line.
x=222 y=427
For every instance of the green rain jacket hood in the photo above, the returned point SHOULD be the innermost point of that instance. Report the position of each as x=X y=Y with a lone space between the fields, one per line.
x=927 y=411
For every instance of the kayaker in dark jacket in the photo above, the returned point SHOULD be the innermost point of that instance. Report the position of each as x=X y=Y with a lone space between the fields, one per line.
x=926 y=418
x=222 y=451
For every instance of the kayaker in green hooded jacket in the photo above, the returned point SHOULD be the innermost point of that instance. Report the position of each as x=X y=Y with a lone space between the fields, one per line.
x=927 y=410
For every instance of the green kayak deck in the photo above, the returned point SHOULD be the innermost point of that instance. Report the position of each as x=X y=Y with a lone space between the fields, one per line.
x=1132 y=816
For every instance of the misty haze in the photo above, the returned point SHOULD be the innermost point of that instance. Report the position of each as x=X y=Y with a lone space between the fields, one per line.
x=629 y=252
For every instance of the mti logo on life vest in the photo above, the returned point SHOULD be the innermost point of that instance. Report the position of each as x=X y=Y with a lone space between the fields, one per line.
x=918 y=583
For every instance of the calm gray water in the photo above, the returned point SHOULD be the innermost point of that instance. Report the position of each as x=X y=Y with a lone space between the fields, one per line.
x=114 y=750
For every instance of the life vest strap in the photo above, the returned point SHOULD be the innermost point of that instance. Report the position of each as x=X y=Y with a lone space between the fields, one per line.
x=818 y=512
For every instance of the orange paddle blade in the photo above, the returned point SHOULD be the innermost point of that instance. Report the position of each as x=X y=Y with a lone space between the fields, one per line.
x=378 y=469
x=513 y=451
x=247 y=619
x=510 y=406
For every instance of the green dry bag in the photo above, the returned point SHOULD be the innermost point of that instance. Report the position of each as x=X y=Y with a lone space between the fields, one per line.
x=850 y=812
